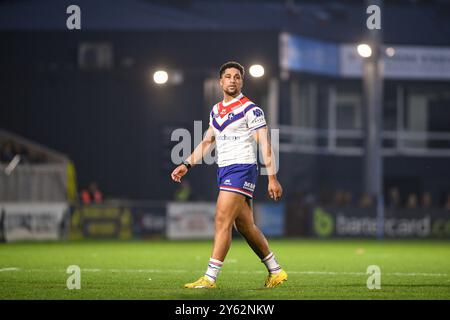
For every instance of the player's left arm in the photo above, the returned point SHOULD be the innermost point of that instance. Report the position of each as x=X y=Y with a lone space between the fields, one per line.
x=262 y=138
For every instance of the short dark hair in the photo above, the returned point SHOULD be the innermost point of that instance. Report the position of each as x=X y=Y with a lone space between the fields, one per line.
x=231 y=64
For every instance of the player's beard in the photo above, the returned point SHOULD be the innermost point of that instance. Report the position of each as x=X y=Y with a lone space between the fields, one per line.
x=232 y=92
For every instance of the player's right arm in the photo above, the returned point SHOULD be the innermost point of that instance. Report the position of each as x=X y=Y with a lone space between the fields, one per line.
x=199 y=152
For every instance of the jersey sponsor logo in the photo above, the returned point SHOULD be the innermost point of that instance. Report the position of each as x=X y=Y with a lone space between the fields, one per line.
x=227 y=182
x=257 y=120
x=257 y=113
x=227 y=138
x=230 y=116
x=249 y=186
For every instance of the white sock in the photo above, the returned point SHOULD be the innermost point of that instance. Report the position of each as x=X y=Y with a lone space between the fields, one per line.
x=271 y=263
x=213 y=269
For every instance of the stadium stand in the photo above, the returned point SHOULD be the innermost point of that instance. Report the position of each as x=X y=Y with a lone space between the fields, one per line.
x=32 y=172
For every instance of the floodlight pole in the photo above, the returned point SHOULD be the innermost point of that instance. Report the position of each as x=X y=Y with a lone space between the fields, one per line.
x=373 y=97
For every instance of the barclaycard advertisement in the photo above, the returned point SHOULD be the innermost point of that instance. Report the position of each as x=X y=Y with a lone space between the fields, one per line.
x=399 y=223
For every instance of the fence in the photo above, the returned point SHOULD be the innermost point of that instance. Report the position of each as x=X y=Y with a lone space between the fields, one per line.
x=125 y=220
x=43 y=182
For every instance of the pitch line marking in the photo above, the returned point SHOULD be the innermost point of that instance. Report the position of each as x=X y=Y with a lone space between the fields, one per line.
x=405 y=274
x=9 y=269
x=355 y=273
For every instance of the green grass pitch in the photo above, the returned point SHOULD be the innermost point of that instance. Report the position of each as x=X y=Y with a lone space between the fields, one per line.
x=318 y=269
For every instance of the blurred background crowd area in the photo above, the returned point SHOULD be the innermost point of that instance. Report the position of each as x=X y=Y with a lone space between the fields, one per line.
x=395 y=199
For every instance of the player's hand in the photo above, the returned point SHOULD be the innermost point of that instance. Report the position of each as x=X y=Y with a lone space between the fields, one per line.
x=275 y=189
x=179 y=172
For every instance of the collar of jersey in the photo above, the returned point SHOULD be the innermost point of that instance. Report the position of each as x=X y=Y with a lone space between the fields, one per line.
x=223 y=109
x=226 y=104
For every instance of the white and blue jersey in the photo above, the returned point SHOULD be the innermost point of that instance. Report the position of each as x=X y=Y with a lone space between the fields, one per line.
x=233 y=124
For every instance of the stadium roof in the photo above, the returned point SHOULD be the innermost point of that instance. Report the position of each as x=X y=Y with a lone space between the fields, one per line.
x=404 y=22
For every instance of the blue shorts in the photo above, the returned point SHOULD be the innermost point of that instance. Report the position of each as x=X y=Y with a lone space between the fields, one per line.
x=238 y=178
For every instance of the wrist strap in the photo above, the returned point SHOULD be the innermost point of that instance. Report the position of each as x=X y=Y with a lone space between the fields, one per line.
x=188 y=165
